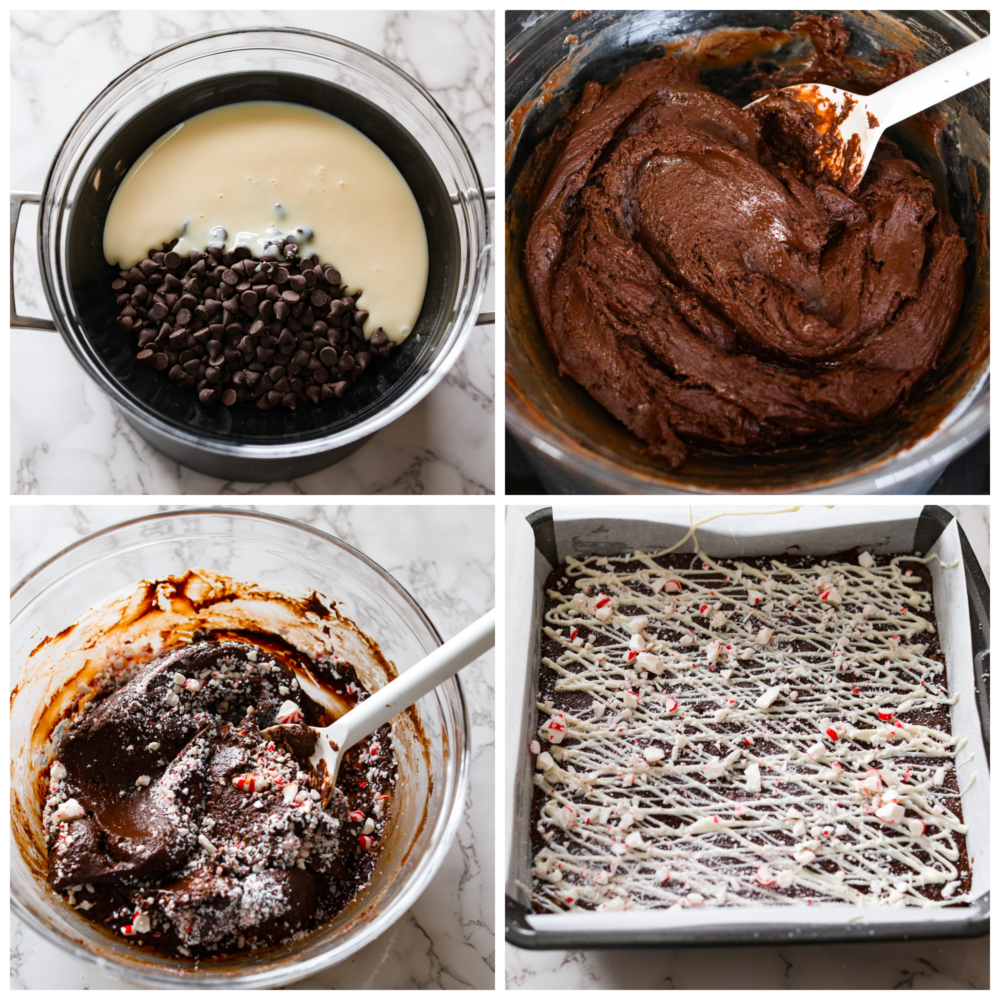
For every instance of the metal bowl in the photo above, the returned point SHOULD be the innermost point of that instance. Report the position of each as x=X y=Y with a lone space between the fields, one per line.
x=574 y=444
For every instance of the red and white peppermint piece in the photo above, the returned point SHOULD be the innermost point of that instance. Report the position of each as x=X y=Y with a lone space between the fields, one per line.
x=68 y=811
x=535 y=747
x=251 y=782
x=365 y=841
x=555 y=729
x=831 y=596
x=671 y=705
x=917 y=827
x=673 y=586
x=289 y=713
x=356 y=816
x=765 y=876
x=885 y=714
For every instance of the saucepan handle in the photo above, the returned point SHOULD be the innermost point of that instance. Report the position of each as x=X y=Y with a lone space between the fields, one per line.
x=487 y=319
x=17 y=199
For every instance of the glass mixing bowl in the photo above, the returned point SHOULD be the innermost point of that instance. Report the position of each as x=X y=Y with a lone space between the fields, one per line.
x=574 y=445
x=220 y=68
x=283 y=557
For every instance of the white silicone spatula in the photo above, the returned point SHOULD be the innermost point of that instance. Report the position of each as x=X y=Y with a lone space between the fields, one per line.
x=398 y=695
x=870 y=116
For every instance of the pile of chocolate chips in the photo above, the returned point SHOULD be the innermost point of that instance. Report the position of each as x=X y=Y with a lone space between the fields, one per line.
x=236 y=328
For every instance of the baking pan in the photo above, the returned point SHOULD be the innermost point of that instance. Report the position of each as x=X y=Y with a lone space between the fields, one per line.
x=538 y=543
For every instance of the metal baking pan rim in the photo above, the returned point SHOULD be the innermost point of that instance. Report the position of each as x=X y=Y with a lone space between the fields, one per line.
x=966 y=922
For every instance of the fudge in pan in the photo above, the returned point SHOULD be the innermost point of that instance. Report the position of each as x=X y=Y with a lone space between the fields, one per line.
x=744 y=732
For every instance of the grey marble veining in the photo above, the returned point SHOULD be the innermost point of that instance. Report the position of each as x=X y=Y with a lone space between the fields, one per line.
x=923 y=965
x=68 y=439
x=445 y=557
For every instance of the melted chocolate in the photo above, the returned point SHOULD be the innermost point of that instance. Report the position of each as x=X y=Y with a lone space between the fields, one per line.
x=706 y=286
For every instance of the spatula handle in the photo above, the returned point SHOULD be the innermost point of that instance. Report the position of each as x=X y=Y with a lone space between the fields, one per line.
x=413 y=684
x=933 y=84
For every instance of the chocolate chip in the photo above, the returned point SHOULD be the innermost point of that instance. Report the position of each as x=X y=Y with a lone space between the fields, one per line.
x=237 y=330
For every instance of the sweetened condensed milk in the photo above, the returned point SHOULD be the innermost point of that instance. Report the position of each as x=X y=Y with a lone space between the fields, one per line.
x=257 y=171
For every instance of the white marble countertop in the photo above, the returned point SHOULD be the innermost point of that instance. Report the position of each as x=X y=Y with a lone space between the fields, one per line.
x=444 y=557
x=66 y=437
x=933 y=965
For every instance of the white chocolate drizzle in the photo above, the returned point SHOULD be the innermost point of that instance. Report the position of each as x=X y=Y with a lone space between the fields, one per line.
x=752 y=737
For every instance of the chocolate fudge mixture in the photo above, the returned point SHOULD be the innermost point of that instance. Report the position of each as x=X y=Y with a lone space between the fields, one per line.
x=742 y=733
x=695 y=272
x=172 y=821
x=239 y=329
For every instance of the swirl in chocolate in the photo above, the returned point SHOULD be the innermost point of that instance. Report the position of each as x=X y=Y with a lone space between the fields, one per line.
x=172 y=821
x=764 y=731
x=706 y=286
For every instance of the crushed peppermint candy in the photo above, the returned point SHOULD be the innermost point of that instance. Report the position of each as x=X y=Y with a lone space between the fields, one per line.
x=289 y=713
x=231 y=827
